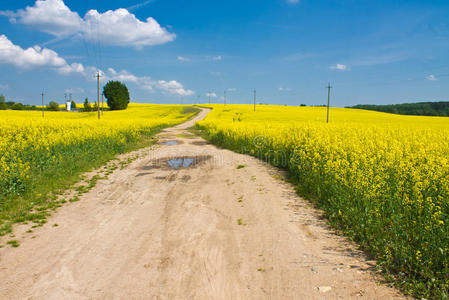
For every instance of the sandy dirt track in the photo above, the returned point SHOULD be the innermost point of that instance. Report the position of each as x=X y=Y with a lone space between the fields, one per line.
x=208 y=231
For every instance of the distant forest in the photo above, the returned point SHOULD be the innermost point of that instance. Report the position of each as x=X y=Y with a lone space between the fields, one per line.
x=416 y=109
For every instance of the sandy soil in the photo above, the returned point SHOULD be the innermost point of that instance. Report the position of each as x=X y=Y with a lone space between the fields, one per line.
x=208 y=231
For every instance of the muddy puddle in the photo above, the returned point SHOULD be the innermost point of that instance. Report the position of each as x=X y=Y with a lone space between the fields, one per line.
x=177 y=163
x=170 y=143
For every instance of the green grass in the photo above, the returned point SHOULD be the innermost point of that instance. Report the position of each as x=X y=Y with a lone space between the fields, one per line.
x=13 y=243
x=240 y=167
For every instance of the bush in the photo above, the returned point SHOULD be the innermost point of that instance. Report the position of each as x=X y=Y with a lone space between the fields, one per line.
x=17 y=106
x=72 y=105
x=3 y=105
x=53 y=106
x=87 y=106
x=117 y=95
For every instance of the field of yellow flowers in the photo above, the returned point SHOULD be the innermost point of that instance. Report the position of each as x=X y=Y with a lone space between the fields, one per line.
x=40 y=155
x=382 y=179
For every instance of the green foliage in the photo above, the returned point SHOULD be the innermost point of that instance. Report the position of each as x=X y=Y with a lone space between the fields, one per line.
x=53 y=106
x=117 y=95
x=17 y=106
x=73 y=105
x=87 y=106
x=190 y=110
x=416 y=109
x=13 y=243
x=3 y=105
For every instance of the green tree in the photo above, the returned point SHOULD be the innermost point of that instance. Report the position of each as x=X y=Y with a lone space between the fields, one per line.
x=87 y=106
x=117 y=95
x=53 y=106
x=3 y=105
x=73 y=105
x=17 y=106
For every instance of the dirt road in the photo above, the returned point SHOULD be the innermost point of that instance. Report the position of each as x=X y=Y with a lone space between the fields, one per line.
x=200 y=227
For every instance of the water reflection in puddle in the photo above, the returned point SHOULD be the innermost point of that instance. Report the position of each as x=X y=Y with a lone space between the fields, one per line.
x=170 y=143
x=177 y=163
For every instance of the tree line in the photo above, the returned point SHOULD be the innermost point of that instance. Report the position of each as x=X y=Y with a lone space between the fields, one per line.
x=116 y=93
x=416 y=109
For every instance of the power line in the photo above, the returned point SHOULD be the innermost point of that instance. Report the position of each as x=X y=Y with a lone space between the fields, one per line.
x=42 y=104
x=98 y=90
x=328 y=100
x=254 y=99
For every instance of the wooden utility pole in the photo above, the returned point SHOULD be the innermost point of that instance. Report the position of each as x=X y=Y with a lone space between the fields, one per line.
x=225 y=98
x=43 y=107
x=98 y=90
x=254 y=99
x=328 y=100
x=102 y=103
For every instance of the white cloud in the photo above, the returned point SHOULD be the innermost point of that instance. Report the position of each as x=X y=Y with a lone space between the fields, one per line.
x=218 y=57
x=121 y=28
x=431 y=78
x=173 y=87
x=182 y=58
x=285 y=89
x=4 y=87
x=293 y=1
x=51 y=16
x=231 y=89
x=123 y=75
x=147 y=83
x=118 y=27
x=340 y=67
x=212 y=95
x=35 y=57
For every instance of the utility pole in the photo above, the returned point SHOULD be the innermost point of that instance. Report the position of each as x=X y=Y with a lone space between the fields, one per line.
x=98 y=90
x=225 y=98
x=43 y=104
x=254 y=99
x=102 y=103
x=328 y=100
x=199 y=101
x=209 y=97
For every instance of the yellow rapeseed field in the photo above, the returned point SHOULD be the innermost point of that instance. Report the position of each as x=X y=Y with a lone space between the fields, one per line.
x=38 y=154
x=382 y=178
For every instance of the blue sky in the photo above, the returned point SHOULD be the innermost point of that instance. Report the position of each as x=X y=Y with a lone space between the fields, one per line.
x=373 y=52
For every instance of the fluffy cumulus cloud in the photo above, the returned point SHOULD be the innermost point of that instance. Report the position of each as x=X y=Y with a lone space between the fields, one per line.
x=340 y=67
x=431 y=78
x=212 y=95
x=35 y=57
x=171 y=87
x=113 y=27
